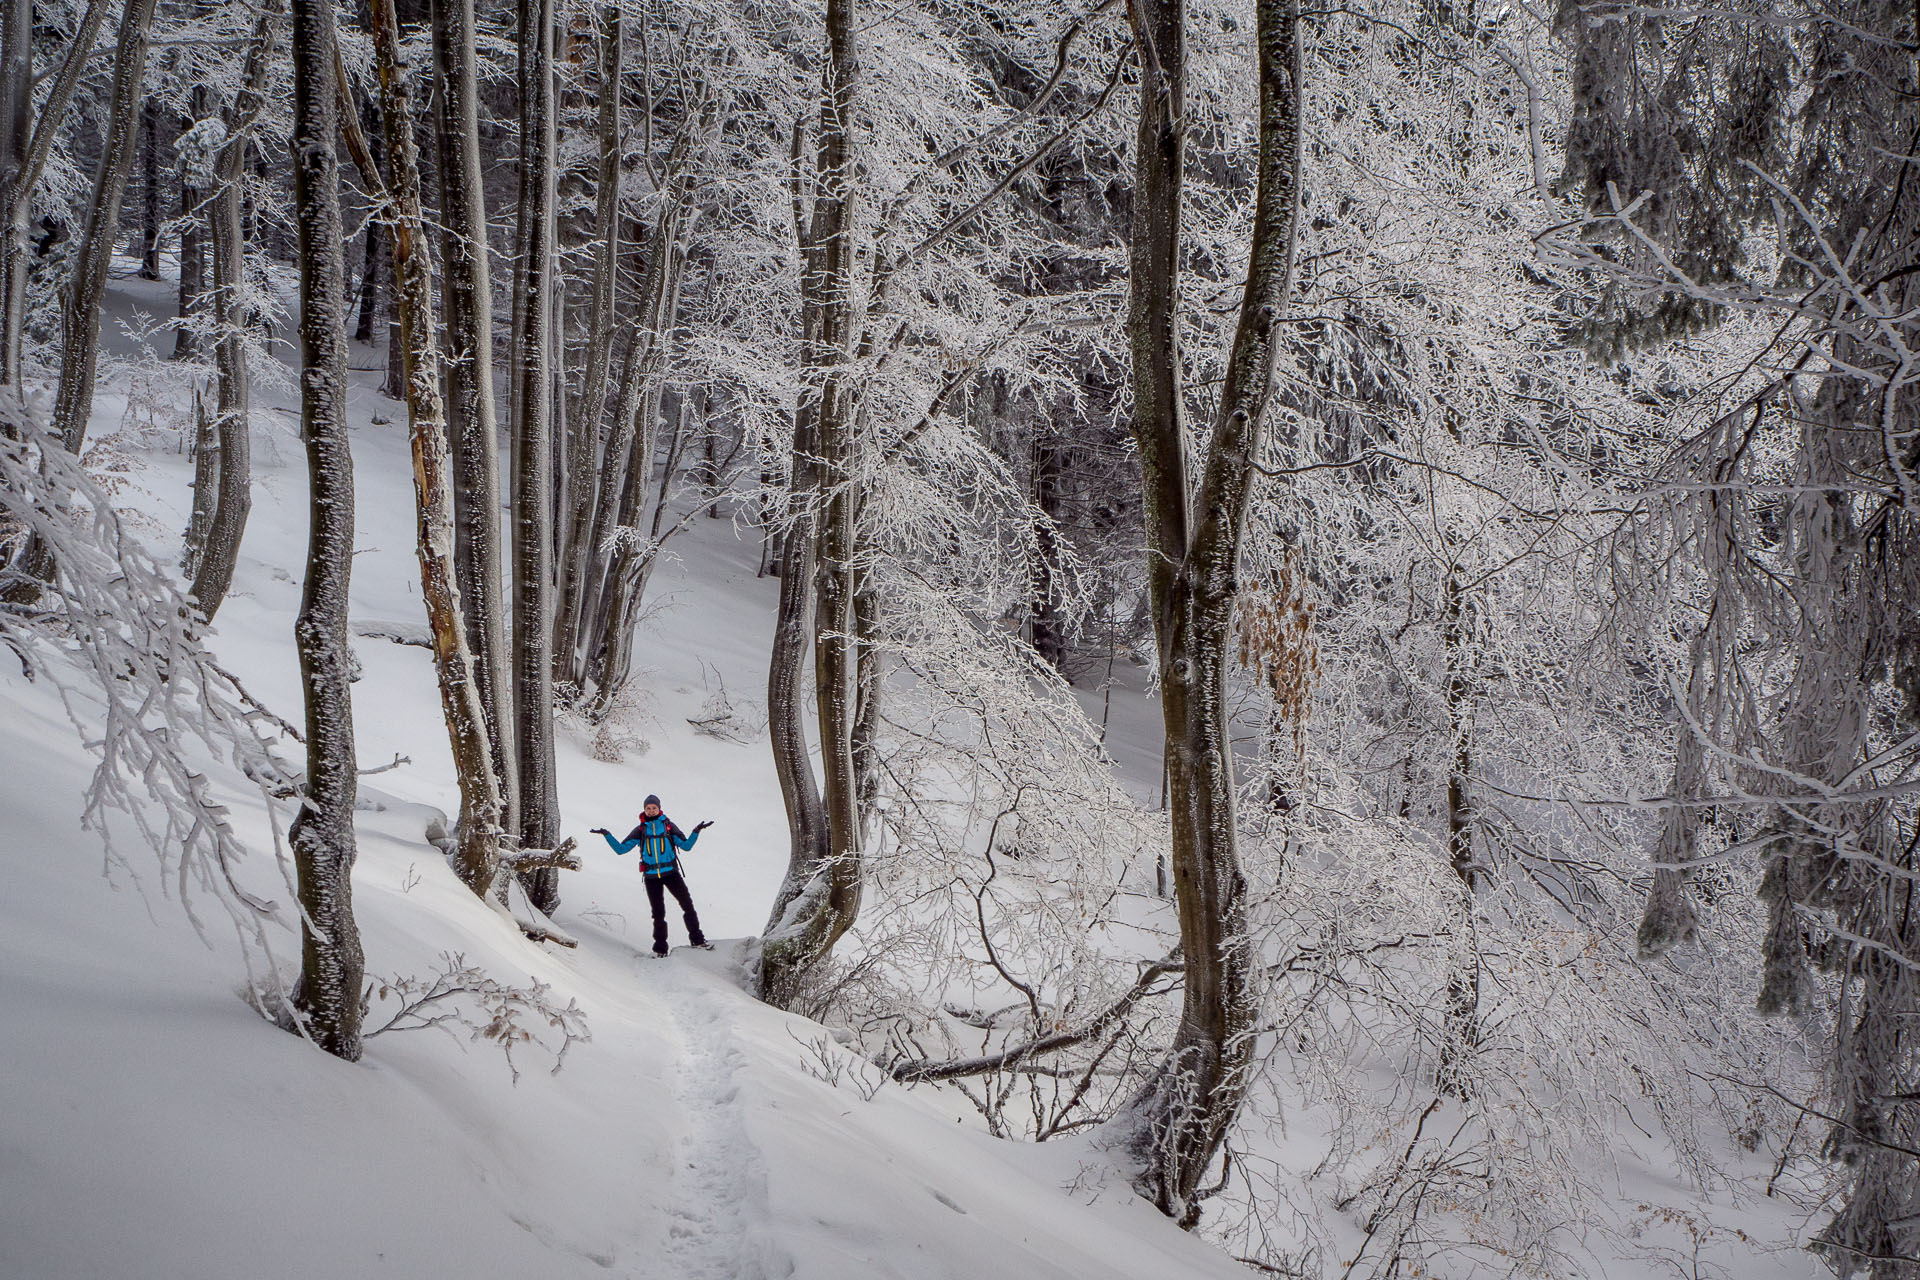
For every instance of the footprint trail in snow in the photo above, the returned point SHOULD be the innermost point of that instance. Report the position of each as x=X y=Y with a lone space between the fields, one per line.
x=719 y=1183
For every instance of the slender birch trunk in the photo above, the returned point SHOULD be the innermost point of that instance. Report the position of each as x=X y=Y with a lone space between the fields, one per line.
x=471 y=422
x=332 y=965
x=1194 y=540
x=478 y=854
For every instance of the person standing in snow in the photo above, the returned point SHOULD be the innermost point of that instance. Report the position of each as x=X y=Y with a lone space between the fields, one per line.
x=660 y=844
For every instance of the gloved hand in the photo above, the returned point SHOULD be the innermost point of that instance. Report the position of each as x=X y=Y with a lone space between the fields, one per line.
x=703 y=826
x=600 y=831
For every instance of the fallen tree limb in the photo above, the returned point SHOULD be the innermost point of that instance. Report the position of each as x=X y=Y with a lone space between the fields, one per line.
x=925 y=1069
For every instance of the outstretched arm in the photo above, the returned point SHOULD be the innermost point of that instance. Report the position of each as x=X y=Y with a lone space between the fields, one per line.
x=684 y=842
x=617 y=845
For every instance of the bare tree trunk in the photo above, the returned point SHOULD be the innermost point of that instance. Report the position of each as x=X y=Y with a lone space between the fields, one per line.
x=1049 y=640
x=478 y=854
x=26 y=144
x=332 y=965
x=373 y=258
x=532 y=444
x=80 y=334
x=80 y=329
x=576 y=560
x=206 y=484
x=150 y=190
x=232 y=428
x=193 y=264
x=1669 y=919
x=779 y=975
x=617 y=587
x=1194 y=541
x=819 y=899
x=471 y=421
x=1461 y=1034
x=369 y=288
x=16 y=144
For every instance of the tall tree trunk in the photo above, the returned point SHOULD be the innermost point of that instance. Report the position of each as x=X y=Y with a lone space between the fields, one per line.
x=1049 y=640
x=819 y=898
x=1669 y=919
x=533 y=382
x=1461 y=1034
x=576 y=559
x=373 y=272
x=26 y=144
x=80 y=329
x=780 y=969
x=193 y=263
x=471 y=421
x=478 y=856
x=332 y=965
x=150 y=190
x=16 y=144
x=370 y=276
x=232 y=428
x=80 y=333
x=622 y=562
x=1194 y=541
x=206 y=483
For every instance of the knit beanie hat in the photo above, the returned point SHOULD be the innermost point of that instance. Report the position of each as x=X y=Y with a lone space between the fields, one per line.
x=651 y=800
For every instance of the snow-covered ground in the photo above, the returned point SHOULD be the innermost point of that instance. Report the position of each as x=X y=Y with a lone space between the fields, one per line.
x=151 y=1125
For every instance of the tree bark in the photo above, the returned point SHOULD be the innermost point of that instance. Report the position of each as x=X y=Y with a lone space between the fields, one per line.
x=373 y=268
x=193 y=266
x=532 y=379
x=80 y=333
x=332 y=965
x=819 y=899
x=471 y=420
x=478 y=854
x=1049 y=639
x=206 y=484
x=150 y=190
x=232 y=428
x=80 y=328
x=584 y=459
x=1461 y=1034
x=26 y=144
x=1194 y=541
x=619 y=583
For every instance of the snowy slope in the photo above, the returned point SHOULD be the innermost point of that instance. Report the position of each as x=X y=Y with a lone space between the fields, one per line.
x=152 y=1126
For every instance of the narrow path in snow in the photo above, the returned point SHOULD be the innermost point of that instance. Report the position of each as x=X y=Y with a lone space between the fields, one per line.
x=719 y=1181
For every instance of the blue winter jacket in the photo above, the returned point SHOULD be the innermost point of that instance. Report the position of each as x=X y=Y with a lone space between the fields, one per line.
x=657 y=839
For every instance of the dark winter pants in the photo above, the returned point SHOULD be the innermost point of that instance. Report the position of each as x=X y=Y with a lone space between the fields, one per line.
x=657 y=889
